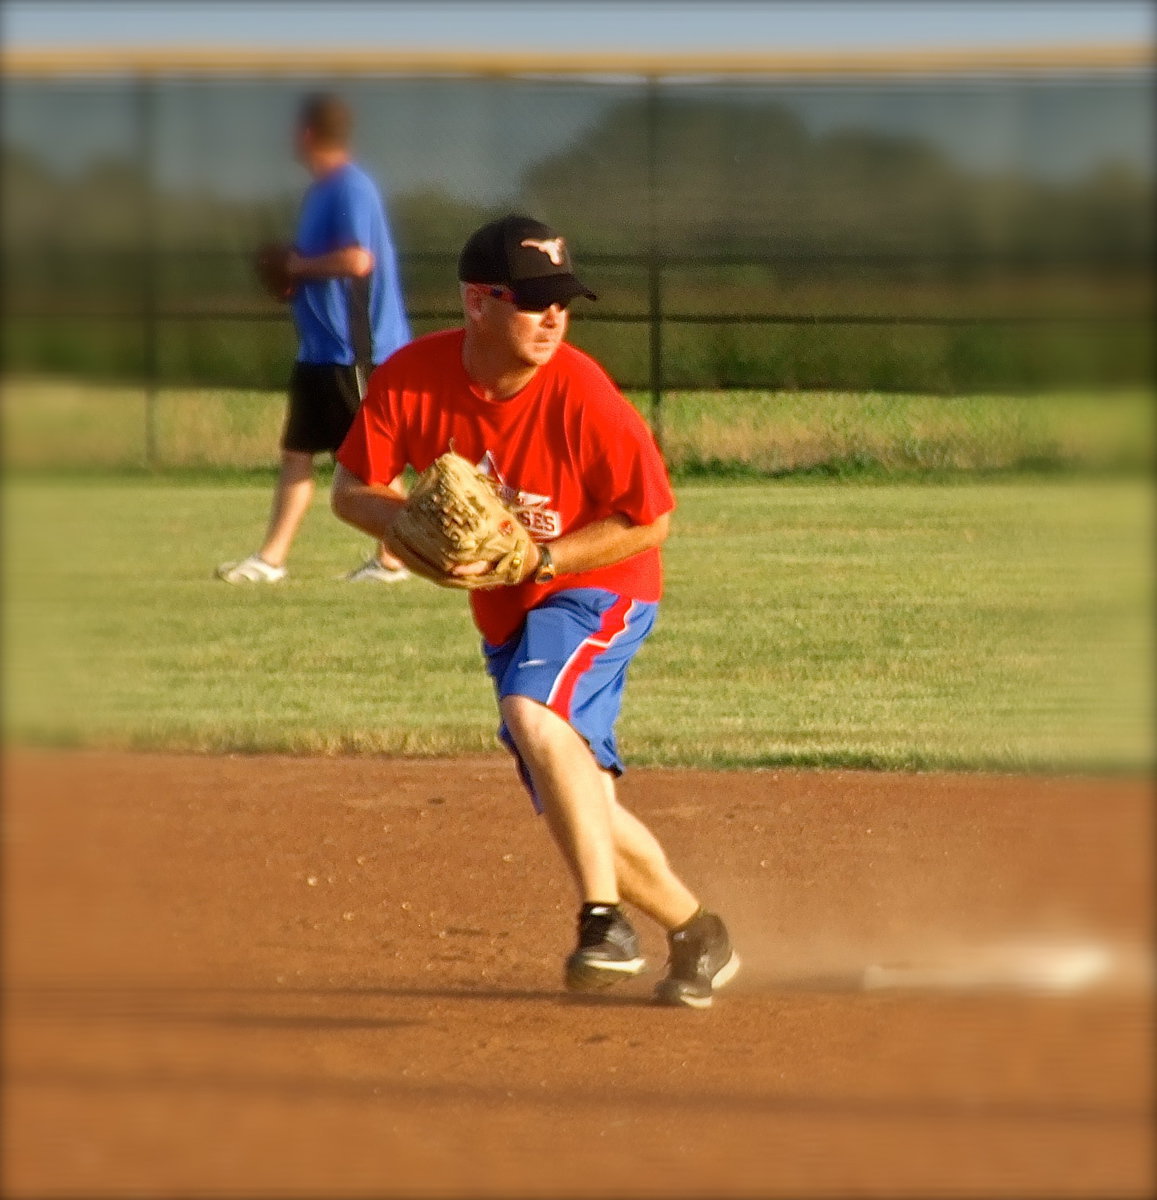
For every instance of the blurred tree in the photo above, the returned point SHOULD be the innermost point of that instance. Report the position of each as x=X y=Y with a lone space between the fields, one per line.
x=738 y=176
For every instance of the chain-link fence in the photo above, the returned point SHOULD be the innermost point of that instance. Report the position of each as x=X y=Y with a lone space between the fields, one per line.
x=973 y=230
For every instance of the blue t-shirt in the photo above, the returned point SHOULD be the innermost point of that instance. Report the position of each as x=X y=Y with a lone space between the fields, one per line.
x=342 y=209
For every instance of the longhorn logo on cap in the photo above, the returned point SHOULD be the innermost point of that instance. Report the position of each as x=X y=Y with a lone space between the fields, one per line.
x=551 y=247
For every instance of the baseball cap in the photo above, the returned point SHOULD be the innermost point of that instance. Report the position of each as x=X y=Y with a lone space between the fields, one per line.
x=526 y=256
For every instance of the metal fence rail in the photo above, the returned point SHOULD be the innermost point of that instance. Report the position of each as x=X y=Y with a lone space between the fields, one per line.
x=686 y=218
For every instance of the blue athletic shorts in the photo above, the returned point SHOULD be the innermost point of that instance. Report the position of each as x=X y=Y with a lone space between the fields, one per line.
x=572 y=654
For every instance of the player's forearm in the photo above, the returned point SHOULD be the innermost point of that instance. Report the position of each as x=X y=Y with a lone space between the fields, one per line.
x=368 y=507
x=350 y=262
x=605 y=542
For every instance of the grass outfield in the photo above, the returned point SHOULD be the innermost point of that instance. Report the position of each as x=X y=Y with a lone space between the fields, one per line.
x=56 y=424
x=980 y=625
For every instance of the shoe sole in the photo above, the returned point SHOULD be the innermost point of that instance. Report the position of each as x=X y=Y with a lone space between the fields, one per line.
x=722 y=977
x=593 y=977
x=243 y=579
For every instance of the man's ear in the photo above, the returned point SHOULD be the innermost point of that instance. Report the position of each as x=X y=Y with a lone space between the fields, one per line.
x=472 y=301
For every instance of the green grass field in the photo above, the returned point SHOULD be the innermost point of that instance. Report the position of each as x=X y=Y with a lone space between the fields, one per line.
x=57 y=423
x=1001 y=624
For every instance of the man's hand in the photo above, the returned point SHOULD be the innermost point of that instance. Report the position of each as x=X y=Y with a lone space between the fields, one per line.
x=477 y=569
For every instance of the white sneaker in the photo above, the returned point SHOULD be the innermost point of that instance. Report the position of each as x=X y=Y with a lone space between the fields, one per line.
x=253 y=569
x=372 y=571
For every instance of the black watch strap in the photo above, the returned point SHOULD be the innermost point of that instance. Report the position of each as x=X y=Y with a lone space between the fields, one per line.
x=546 y=569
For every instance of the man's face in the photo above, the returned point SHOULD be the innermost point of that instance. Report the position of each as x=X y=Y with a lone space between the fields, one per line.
x=531 y=338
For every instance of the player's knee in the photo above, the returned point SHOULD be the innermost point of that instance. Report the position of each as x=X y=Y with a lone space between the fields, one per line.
x=530 y=722
x=296 y=465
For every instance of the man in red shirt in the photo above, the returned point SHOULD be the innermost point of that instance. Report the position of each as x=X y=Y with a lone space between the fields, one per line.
x=583 y=472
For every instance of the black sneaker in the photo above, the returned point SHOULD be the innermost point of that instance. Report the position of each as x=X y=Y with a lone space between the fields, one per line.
x=701 y=961
x=608 y=949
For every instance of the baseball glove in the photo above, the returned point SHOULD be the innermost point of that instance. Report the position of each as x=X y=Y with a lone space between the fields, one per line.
x=454 y=515
x=271 y=263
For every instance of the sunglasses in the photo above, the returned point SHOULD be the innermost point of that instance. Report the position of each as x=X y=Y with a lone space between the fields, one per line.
x=498 y=292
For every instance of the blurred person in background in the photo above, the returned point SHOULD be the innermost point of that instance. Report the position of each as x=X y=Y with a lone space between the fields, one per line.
x=345 y=294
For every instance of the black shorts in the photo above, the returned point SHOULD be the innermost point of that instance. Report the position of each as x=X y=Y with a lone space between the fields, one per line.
x=323 y=398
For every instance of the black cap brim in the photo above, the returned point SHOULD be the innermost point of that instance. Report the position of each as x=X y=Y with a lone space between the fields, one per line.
x=537 y=295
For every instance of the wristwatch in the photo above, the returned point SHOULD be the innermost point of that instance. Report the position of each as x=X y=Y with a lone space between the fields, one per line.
x=546 y=569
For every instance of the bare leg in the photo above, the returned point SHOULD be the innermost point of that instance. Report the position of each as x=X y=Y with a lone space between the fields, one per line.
x=387 y=560
x=291 y=500
x=610 y=852
x=567 y=780
x=644 y=874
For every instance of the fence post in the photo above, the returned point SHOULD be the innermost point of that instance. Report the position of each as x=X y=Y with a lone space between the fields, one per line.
x=655 y=301
x=146 y=95
x=654 y=261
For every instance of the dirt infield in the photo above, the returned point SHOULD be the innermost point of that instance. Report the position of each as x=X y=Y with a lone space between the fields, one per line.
x=328 y=977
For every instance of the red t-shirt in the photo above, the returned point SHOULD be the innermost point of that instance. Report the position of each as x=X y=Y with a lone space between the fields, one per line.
x=567 y=450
